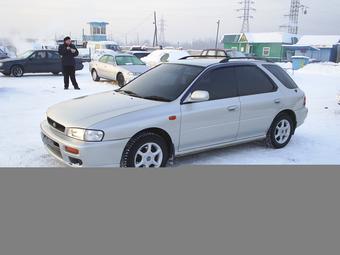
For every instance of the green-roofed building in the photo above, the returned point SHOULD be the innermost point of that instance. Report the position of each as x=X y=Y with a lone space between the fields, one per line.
x=263 y=45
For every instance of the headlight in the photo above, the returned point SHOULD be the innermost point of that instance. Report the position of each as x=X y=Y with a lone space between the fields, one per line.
x=86 y=135
x=133 y=74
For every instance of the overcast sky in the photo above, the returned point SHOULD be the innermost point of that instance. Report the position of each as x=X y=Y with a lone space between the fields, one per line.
x=185 y=19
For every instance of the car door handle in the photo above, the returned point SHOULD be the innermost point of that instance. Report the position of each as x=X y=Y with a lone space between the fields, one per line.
x=232 y=108
x=277 y=101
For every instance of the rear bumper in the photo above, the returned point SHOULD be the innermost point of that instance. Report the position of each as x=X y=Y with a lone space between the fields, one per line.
x=101 y=154
x=301 y=116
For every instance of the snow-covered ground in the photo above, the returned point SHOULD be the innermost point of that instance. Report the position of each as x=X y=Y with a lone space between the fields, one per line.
x=23 y=102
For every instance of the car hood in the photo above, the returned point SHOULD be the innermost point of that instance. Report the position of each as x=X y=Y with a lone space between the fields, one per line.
x=11 y=60
x=135 y=68
x=86 y=111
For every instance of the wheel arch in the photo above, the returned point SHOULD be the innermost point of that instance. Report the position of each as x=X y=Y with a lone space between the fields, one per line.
x=164 y=134
x=291 y=114
x=119 y=72
x=20 y=65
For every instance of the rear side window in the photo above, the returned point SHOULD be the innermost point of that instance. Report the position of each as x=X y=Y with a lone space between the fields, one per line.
x=281 y=75
x=220 y=83
x=253 y=81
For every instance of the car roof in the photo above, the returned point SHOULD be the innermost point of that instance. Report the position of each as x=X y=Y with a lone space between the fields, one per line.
x=117 y=54
x=206 y=62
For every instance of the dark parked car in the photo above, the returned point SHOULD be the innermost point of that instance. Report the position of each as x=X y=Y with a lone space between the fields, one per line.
x=35 y=61
x=3 y=55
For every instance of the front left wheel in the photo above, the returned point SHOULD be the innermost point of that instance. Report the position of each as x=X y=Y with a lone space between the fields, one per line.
x=17 y=71
x=146 y=150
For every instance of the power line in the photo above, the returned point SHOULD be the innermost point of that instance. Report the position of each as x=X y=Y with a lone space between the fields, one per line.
x=247 y=9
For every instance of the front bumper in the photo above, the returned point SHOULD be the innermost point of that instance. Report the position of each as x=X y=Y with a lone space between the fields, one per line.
x=301 y=116
x=98 y=154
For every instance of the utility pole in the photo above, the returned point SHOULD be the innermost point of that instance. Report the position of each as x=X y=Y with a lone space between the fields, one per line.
x=295 y=7
x=155 y=36
x=246 y=9
x=162 y=32
x=218 y=33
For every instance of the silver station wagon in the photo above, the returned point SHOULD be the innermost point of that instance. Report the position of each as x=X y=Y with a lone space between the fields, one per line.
x=176 y=109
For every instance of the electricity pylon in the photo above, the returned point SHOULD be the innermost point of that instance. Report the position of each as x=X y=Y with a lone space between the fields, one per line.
x=246 y=9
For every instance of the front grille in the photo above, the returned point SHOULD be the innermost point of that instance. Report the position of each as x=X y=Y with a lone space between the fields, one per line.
x=52 y=145
x=56 y=125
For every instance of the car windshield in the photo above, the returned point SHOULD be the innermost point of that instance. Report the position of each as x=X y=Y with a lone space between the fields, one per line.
x=26 y=54
x=165 y=82
x=128 y=60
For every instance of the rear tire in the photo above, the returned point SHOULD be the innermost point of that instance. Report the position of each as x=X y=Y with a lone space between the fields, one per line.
x=120 y=80
x=17 y=71
x=95 y=76
x=146 y=150
x=280 y=132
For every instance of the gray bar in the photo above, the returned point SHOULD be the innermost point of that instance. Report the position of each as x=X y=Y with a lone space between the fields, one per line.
x=216 y=210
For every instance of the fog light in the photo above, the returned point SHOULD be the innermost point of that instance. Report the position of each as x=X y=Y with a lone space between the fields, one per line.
x=72 y=150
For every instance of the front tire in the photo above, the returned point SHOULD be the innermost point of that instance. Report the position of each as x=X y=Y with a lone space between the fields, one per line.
x=120 y=80
x=280 y=132
x=95 y=76
x=17 y=71
x=146 y=150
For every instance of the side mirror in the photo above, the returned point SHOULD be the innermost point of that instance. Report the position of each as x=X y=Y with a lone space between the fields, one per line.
x=198 y=96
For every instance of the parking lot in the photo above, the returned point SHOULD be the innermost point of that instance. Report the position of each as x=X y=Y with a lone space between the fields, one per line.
x=23 y=103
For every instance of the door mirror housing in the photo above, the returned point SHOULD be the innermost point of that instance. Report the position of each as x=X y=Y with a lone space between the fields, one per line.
x=198 y=96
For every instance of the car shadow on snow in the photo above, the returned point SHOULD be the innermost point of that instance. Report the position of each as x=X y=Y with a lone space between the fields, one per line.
x=6 y=90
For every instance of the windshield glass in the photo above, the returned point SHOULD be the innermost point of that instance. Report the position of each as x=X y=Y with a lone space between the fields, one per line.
x=163 y=83
x=26 y=54
x=128 y=60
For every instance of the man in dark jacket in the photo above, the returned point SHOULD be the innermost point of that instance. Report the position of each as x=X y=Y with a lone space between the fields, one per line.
x=68 y=52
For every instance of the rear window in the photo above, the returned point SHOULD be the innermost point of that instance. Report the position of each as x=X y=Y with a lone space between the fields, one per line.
x=253 y=81
x=281 y=75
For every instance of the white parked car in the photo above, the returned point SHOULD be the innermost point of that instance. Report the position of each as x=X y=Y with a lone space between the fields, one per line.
x=176 y=109
x=163 y=56
x=119 y=67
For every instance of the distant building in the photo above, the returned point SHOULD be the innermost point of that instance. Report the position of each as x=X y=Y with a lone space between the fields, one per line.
x=97 y=32
x=317 y=47
x=264 y=45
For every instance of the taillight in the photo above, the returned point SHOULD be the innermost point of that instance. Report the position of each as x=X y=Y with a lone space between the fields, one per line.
x=305 y=101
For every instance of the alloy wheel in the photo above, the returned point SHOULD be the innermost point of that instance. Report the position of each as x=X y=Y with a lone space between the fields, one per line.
x=149 y=155
x=282 y=131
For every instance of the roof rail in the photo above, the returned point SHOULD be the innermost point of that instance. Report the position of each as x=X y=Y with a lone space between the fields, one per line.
x=226 y=60
x=199 y=56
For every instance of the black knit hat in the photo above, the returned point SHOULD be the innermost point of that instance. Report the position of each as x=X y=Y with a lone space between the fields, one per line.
x=67 y=38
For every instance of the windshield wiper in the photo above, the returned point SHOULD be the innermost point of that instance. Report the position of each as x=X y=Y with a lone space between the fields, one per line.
x=157 y=98
x=130 y=93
